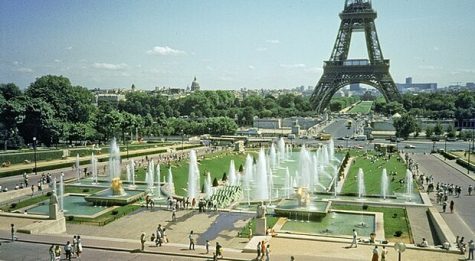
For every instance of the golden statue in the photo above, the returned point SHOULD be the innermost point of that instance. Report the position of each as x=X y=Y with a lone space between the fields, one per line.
x=303 y=197
x=116 y=186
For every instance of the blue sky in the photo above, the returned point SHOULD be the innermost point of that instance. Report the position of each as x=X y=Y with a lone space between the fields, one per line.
x=226 y=44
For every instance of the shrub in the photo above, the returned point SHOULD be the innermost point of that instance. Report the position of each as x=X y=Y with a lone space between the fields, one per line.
x=49 y=193
x=70 y=218
x=225 y=177
x=13 y=205
x=215 y=182
x=85 y=190
x=365 y=207
x=398 y=233
x=115 y=212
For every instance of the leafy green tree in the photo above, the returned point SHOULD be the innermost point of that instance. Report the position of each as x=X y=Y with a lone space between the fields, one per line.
x=451 y=133
x=10 y=91
x=429 y=131
x=405 y=125
x=438 y=129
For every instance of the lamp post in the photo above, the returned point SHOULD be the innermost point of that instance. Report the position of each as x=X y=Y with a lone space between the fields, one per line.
x=445 y=147
x=34 y=148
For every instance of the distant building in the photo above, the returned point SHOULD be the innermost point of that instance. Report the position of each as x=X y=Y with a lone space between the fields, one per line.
x=409 y=86
x=109 y=97
x=355 y=87
x=195 y=86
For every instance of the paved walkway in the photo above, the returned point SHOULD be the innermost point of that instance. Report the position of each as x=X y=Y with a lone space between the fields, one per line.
x=420 y=226
x=462 y=221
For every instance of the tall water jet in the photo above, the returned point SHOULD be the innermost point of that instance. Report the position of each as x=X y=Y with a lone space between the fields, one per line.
x=331 y=149
x=171 y=185
x=208 y=186
x=93 y=168
x=273 y=156
x=78 y=170
x=325 y=156
x=232 y=174
x=114 y=161
x=409 y=184
x=305 y=168
x=288 y=186
x=149 y=176
x=132 y=172
x=261 y=187
x=129 y=177
x=281 y=149
x=384 y=184
x=193 y=176
x=361 y=186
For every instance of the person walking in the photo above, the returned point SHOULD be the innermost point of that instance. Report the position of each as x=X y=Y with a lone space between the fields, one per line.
x=471 y=249
x=57 y=252
x=263 y=249
x=207 y=247
x=375 y=254
x=67 y=250
x=142 y=241
x=444 y=206
x=452 y=203
x=258 y=250
x=13 y=231
x=354 y=242
x=268 y=252
x=75 y=245
x=219 y=250
x=384 y=253
x=78 y=246
x=52 y=257
x=192 y=241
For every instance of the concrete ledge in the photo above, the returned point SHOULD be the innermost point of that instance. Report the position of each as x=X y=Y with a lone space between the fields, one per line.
x=56 y=226
x=441 y=228
x=251 y=247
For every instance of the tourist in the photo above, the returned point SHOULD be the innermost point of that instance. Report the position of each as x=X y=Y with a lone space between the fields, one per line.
x=32 y=190
x=268 y=252
x=258 y=250
x=263 y=249
x=13 y=231
x=384 y=253
x=207 y=246
x=471 y=249
x=375 y=254
x=142 y=241
x=444 y=206
x=470 y=189
x=174 y=214
x=78 y=246
x=452 y=203
x=219 y=250
x=250 y=233
x=52 y=257
x=75 y=245
x=164 y=235
x=292 y=258
x=354 y=242
x=192 y=241
x=57 y=252
x=152 y=238
x=424 y=243
x=67 y=250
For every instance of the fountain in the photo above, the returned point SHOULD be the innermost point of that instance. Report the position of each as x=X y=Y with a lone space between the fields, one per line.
x=384 y=184
x=94 y=168
x=61 y=192
x=273 y=156
x=115 y=195
x=171 y=185
x=261 y=188
x=129 y=177
x=159 y=194
x=409 y=185
x=208 y=186
x=131 y=168
x=232 y=174
x=361 y=186
x=193 y=176
x=281 y=149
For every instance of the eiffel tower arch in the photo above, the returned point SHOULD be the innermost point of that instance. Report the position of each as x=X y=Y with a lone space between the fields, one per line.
x=339 y=71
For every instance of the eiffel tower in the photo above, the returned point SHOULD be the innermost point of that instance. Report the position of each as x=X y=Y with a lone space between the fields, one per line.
x=339 y=71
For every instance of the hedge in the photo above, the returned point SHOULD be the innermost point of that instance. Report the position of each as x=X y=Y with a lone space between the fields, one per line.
x=15 y=158
x=465 y=164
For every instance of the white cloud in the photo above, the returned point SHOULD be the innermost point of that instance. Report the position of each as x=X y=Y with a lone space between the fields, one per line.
x=436 y=48
x=16 y=63
x=69 y=48
x=314 y=69
x=209 y=68
x=251 y=67
x=166 y=50
x=110 y=66
x=57 y=60
x=292 y=66
x=24 y=70
x=261 y=49
x=273 y=41
x=427 y=67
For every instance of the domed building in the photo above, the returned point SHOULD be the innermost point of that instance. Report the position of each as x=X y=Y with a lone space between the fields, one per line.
x=195 y=86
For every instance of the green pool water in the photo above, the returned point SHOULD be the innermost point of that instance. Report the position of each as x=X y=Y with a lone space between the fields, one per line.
x=334 y=223
x=73 y=205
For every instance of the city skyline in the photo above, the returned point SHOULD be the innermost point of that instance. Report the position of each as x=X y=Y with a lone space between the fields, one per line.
x=225 y=44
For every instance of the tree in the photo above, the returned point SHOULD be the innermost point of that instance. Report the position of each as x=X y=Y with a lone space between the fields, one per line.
x=405 y=125
x=225 y=177
x=215 y=182
x=438 y=129
x=10 y=91
x=429 y=131
x=451 y=133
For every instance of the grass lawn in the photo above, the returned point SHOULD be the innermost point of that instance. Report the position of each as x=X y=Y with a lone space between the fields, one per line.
x=362 y=107
x=271 y=220
x=372 y=173
x=216 y=164
x=395 y=219
x=464 y=155
x=106 y=217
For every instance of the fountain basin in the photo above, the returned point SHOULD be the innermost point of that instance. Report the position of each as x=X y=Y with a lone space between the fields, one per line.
x=313 y=209
x=106 y=197
x=74 y=205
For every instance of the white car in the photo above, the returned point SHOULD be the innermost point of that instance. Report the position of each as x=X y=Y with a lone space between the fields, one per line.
x=410 y=146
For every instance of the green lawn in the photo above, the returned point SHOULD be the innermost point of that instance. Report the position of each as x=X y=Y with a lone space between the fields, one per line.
x=216 y=164
x=395 y=219
x=372 y=173
x=362 y=107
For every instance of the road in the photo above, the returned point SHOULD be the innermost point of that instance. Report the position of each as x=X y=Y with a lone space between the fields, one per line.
x=464 y=205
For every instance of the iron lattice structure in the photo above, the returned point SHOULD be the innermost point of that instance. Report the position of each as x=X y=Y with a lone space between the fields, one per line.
x=339 y=71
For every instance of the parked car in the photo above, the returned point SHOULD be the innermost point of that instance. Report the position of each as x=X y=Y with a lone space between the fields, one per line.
x=451 y=139
x=410 y=146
